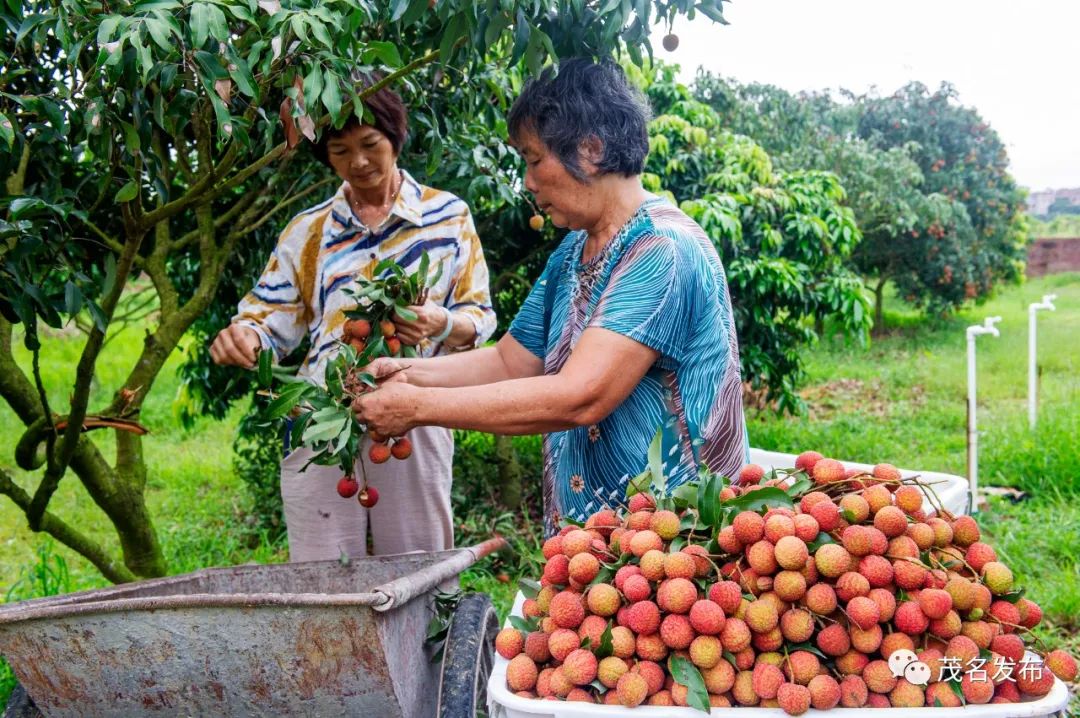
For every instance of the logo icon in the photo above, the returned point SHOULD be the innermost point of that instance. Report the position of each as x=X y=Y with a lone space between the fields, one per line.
x=905 y=664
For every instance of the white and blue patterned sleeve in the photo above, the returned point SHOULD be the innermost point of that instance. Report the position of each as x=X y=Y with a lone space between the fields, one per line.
x=470 y=293
x=274 y=307
x=528 y=326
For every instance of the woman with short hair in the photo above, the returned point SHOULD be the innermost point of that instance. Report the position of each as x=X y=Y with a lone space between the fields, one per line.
x=378 y=212
x=629 y=328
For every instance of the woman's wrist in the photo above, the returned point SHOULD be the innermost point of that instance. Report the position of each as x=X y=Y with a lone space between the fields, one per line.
x=448 y=326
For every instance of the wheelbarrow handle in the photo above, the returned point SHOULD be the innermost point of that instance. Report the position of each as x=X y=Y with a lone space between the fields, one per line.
x=404 y=589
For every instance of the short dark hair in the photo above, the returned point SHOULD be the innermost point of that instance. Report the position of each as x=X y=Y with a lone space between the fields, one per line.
x=585 y=99
x=387 y=110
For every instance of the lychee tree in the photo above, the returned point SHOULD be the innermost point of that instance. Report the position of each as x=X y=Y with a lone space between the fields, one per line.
x=153 y=138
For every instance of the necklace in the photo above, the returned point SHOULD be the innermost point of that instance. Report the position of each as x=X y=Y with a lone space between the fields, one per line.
x=380 y=209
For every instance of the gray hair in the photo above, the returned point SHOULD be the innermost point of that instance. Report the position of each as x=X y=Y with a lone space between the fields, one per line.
x=585 y=99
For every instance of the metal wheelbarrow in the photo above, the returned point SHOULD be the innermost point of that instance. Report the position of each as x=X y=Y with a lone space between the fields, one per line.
x=324 y=638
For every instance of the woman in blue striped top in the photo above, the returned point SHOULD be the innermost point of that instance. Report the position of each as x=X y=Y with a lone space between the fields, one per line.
x=628 y=329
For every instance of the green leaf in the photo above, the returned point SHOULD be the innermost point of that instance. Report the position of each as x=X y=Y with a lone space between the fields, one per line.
x=770 y=496
x=688 y=674
x=240 y=72
x=200 y=23
x=656 y=464
x=219 y=28
x=290 y=395
x=605 y=648
x=211 y=69
x=331 y=95
x=127 y=192
x=7 y=131
x=529 y=587
x=398 y=9
x=822 y=539
x=521 y=624
x=406 y=314
x=72 y=298
x=386 y=52
x=266 y=364
x=160 y=33
x=322 y=430
x=107 y=27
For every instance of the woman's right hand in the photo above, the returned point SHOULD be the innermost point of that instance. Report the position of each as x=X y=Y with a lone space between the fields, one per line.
x=236 y=345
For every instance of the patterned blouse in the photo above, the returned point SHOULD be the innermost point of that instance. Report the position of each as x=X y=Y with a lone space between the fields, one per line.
x=324 y=248
x=660 y=282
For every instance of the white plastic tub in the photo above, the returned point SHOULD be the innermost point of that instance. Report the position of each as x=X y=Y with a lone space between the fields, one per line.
x=951 y=490
x=504 y=704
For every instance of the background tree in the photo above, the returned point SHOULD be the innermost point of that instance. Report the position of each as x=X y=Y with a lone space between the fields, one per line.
x=785 y=237
x=902 y=159
x=156 y=135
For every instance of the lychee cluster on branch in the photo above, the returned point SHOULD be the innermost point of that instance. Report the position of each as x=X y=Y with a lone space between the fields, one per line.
x=790 y=589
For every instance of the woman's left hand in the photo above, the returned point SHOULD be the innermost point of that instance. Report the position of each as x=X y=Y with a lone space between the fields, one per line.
x=430 y=322
x=390 y=410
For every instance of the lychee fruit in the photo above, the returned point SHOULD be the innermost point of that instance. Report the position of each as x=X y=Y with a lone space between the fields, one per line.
x=1010 y=646
x=566 y=609
x=907 y=695
x=806 y=460
x=521 y=673
x=997 y=577
x=850 y=585
x=802 y=666
x=509 y=642
x=791 y=553
x=641 y=502
x=583 y=568
x=749 y=527
x=778 y=526
x=879 y=677
x=828 y=471
x=706 y=651
x=908 y=499
x=790 y=586
x=603 y=599
x=347 y=487
x=767 y=680
x=727 y=595
x=643 y=618
x=977 y=689
x=793 y=698
x=1030 y=613
x=853 y=692
x=965 y=531
x=636 y=588
x=536 y=647
x=379 y=453
x=645 y=540
x=676 y=595
x=680 y=565
x=676 y=631
x=826 y=514
x=833 y=560
x=761 y=616
x=979 y=554
x=707 y=618
x=368 y=496
x=890 y=521
x=797 y=625
x=651 y=647
x=402 y=449
x=1034 y=679
x=833 y=640
x=576 y=541
x=1062 y=664
x=592 y=628
x=910 y=618
x=735 y=635
x=863 y=612
x=821 y=599
x=665 y=524
x=580 y=667
x=623 y=643
x=631 y=689
x=886 y=472
x=824 y=692
x=751 y=474
x=762 y=557
x=935 y=603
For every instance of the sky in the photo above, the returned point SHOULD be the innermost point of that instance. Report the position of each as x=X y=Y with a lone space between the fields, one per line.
x=1015 y=62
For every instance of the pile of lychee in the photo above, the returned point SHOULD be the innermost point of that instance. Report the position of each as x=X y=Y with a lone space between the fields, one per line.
x=796 y=605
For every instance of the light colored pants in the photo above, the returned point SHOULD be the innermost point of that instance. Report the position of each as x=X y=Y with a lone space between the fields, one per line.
x=413 y=512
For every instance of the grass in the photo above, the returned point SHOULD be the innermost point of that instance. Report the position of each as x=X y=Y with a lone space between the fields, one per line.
x=900 y=400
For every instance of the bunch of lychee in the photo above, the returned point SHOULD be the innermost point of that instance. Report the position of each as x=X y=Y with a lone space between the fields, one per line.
x=357 y=332
x=791 y=607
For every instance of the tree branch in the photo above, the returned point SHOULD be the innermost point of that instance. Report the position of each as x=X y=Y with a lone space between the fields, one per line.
x=58 y=529
x=248 y=229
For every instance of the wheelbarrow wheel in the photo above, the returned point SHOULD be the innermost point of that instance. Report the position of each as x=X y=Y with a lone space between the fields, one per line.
x=468 y=656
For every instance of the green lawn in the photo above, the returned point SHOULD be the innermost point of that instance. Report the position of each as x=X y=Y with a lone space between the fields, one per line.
x=901 y=400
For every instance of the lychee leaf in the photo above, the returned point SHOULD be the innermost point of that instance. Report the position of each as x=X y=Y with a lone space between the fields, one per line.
x=822 y=539
x=636 y=485
x=956 y=688
x=1013 y=596
x=688 y=674
x=656 y=464
x=266 y=363
x=522 y=624
x=586 y=642
x=677 y=543
x=848 y=515
x=529 y=587
x=686 y=496
x=605 y=648
x=600 y=687
x=770 y=496
x=729 y=657
x=800 y=487
x=809 y=647
x=709 y=500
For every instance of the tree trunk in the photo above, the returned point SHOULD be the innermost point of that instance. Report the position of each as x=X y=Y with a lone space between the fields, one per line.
x=879 y=307
x=510 y=472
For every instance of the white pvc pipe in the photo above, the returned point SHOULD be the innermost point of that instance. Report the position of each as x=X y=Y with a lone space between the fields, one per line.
x=987 y=327
x=1033 y=379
